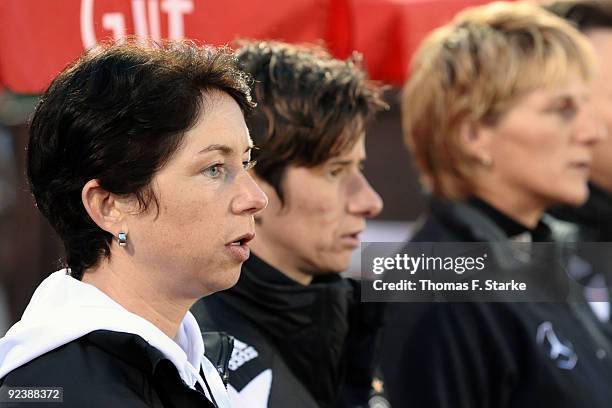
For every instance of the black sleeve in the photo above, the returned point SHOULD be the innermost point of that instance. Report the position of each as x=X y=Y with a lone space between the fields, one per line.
x=88 y=377
x=455 y=356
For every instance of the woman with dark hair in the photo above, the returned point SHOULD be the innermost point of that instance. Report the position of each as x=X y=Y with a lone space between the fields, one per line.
x=496 y=115
x=303 y=338
x=138 y=157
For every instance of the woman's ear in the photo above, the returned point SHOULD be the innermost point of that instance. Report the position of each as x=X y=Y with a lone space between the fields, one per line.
x=104 y=208
x=477 y=141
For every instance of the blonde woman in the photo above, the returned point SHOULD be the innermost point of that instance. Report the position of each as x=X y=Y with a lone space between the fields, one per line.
x=496 y=114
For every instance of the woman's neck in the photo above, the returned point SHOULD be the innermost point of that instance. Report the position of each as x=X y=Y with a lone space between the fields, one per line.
x=522 y=208
x=137 y=293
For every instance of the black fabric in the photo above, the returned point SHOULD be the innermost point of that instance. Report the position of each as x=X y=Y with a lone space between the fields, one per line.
x=107 y=369
x=594 y=223
x=473 y=355
x=218 y=348
x=259 y=356
x=307 y=334
x=508 y=225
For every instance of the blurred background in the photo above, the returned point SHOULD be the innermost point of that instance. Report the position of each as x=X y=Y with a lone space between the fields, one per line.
x=38 y=38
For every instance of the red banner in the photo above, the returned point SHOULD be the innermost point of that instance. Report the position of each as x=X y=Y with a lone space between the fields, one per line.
x=39 y=37
x=388 y=32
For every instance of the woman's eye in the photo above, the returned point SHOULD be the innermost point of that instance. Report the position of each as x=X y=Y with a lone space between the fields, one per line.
x=248 y=165
x=336 y=172
x=213 y=171
x=567 y=109
x=568 y=112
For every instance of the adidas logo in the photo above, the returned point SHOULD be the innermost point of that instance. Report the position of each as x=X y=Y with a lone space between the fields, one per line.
x=242 y=354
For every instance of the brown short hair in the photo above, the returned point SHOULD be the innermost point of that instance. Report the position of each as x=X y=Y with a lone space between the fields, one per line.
x=474 y=69
x=310 y=106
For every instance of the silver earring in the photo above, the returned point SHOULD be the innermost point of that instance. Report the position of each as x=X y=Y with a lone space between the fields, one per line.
x=122 y=238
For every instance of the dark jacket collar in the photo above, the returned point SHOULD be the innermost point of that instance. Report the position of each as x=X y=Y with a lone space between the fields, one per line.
x=477 y=221
x=127 y=347
x=459 y=221
x=269 y=274
x=307 y=324
x=510 y=227
x=137 y=352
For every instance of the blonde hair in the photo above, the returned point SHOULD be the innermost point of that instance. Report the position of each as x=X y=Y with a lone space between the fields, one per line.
x=474 y=69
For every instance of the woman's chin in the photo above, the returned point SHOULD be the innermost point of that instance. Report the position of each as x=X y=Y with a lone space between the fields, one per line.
x=227 y=279
x=575 y=198
x=230 y=279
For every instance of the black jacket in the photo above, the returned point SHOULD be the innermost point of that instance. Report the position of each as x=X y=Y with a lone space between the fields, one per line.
x=594 y=223
x=111 y=369
x=317 y=341
x=495 y=355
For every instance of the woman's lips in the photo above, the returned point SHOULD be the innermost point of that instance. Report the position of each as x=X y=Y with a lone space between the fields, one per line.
x=240 y=252
x=239 y=248
x=583 y=167
x=351 y=240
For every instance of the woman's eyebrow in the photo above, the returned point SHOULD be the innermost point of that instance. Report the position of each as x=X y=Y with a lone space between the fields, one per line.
x=346 y=162
x=214 y=147
x=226 y=150
x=340 y=162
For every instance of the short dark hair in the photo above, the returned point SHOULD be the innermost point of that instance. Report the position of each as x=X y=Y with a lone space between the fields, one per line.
x=118 y=114
x=585 y=15
x=310 y=106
